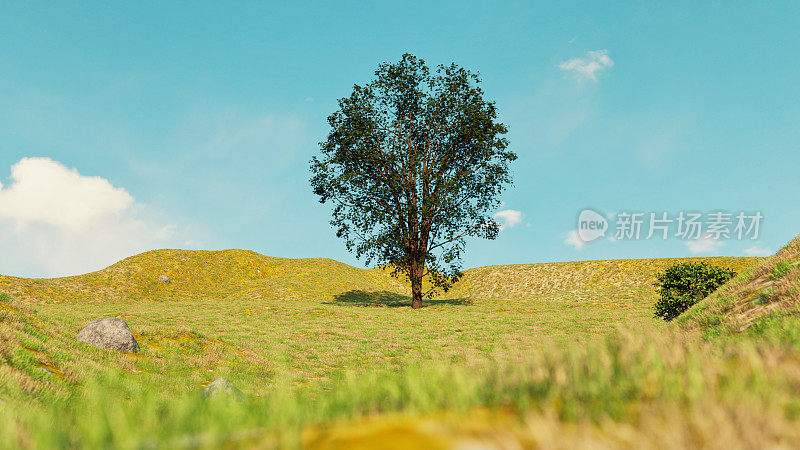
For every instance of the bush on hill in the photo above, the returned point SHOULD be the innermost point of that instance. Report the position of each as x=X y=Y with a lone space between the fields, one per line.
x=683 y=285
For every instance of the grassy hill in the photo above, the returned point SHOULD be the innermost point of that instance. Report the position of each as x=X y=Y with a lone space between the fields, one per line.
x=242 y=274
x=759 y=299
x=197 y=274
x=619 y=276
x=331 y=356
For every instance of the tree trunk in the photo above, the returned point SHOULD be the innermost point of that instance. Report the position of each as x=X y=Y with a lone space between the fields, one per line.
x=416 y=286
x=416 y=295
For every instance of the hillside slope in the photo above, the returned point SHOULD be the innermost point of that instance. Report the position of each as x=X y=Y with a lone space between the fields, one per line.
x=768 y=289
x=620 y=276
x=247 y=275
x=202 y=274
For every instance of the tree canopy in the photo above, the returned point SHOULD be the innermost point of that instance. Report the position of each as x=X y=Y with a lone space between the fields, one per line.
x=414 y=164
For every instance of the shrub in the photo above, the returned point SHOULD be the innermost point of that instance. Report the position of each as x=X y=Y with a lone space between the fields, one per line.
x=683 y=285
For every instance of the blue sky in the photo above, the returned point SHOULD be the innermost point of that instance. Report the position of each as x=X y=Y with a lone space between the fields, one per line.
x=190 y=124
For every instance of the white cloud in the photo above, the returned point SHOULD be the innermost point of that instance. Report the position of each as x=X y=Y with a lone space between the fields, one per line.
x=589 y=67
x=510 y=218
x=574 y=240
x=705 y=244
x=42 y=190
x=55 y=221
x=758 y=251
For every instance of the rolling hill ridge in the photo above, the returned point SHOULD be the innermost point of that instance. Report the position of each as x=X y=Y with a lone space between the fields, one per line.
x=244 y=274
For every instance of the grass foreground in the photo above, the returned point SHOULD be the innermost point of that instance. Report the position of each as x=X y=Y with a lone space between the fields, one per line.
x=330 y=356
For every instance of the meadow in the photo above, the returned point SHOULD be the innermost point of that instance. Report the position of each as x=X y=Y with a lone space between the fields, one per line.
x=551 y=355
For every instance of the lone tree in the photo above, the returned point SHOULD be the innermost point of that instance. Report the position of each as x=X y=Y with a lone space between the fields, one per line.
x=413 y=163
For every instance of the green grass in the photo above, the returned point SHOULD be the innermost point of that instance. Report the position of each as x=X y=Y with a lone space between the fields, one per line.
x=768 y=289
x=326 y=351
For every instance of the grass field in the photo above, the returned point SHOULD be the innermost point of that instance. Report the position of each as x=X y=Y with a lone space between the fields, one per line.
x=331 y=356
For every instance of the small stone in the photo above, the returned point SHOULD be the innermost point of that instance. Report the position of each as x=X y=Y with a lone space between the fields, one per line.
x=109 y=333
x=223 y=388
x=45 y=370
x=164 y=279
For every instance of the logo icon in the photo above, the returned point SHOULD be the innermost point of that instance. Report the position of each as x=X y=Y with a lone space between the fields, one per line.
x=591 y=225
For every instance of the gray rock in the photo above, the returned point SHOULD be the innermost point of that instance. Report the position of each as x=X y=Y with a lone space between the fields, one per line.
x=109 y=333
x=45 y=370
x=164 y=279
x=223 y=388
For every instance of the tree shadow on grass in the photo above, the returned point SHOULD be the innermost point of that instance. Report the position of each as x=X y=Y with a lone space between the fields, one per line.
x=388 y=299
